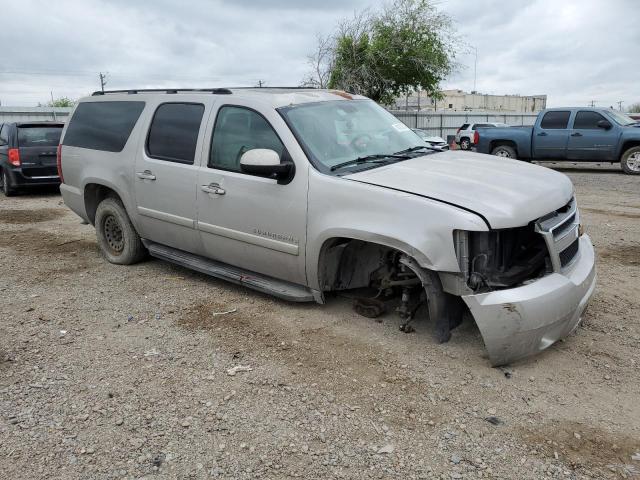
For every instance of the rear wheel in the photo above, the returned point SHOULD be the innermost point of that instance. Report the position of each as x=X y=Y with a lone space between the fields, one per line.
x=5 y=184
x=117 y=238
x=504 y=151
x=465 y=144
x=630 y=161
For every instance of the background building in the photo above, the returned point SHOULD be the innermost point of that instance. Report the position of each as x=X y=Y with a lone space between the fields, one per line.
x=33 y=114
x=458 y=100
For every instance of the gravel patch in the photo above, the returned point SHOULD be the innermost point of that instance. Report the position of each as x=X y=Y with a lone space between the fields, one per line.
x=154 y=371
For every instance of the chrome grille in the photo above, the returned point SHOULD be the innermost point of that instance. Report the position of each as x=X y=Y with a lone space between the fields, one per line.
x=560 y=232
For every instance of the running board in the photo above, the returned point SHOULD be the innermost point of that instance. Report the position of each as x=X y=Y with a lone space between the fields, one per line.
x=262 y=283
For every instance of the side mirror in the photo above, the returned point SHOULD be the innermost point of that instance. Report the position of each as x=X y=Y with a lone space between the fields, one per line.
x=604 y=124
x=266 y=163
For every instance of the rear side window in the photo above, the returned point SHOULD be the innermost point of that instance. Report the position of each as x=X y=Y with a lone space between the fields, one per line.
x=102 y=125
x=587 y=120
x=173 y=134
x=482 y=125
x=4 y=135
x=555 y=120
x=39 y=136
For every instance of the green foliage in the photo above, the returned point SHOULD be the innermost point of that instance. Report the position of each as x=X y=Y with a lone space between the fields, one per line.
x=61 y=102
x=408 y=46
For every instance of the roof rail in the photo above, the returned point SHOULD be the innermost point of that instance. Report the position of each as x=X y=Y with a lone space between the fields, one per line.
x=215 y=91
x=275 y=88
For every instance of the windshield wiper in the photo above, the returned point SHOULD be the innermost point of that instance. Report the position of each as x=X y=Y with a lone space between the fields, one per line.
x=418 y=147
x=376 y=158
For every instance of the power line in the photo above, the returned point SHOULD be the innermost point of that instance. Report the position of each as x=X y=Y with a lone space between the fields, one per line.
x=122 y=76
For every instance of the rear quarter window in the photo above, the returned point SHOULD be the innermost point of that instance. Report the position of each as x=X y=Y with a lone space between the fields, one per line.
x=102 y=125
x=464 y=126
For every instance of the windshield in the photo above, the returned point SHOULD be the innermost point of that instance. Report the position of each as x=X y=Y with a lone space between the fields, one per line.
x=39 y=136
x=340 y=131
x=621 y=118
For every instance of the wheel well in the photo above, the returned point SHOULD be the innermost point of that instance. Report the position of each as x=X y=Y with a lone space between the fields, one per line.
x=94 y=193
x=500 y=143
x=347 y=263
x=627 y=145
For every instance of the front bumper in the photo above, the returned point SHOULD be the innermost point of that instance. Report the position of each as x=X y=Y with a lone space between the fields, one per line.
x=519 y=322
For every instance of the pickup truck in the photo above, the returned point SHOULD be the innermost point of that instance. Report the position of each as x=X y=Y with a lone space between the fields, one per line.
x=577 y=134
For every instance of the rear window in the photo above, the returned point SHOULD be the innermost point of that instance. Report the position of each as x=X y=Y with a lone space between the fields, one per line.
x=38 y=136
x=555 y=120
x=464 y=126
x=102 y=125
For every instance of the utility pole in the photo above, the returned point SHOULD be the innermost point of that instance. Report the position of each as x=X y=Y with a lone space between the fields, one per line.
x=103 y=80
x=593 y=104
x=260 y=83
x=619 y=105
x=55 y=119
x=475 y=70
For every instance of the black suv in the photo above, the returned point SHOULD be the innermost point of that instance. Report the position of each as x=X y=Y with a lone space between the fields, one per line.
x=28 y=155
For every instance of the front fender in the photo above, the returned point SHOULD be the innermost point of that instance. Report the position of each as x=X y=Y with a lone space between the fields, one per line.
x=419 y=227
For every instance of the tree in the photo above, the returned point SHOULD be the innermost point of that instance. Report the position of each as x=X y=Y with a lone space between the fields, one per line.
x=407 y=46
x=634 y=108
x=61 y=102
x=320 y=63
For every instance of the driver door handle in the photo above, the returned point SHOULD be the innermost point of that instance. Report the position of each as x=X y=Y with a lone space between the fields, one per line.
x=213 y=188
x=576 y=134
x=542 y=134
x=146 y=175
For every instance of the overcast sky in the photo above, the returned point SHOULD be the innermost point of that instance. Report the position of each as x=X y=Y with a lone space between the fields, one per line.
x=575 y=51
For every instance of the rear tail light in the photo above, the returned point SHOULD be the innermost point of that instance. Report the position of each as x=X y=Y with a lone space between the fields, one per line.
x=59 y=162
x=14 y=156
x=476 y=137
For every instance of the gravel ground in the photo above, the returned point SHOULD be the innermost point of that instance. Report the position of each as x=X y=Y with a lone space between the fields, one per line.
x=122 y=372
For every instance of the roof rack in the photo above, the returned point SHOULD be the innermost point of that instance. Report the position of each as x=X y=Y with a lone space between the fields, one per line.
x=215 y=91
x=275 y=88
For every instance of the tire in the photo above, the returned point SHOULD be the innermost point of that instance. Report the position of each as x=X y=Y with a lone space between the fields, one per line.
x=465 y=144
x=630 y=161
x=117 y=238
x=5 y=184
x=504 y=151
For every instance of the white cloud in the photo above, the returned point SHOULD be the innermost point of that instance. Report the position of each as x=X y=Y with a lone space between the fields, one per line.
x=575 y=51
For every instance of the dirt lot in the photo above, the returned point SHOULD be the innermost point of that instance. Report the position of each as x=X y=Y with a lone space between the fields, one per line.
x=121 y=372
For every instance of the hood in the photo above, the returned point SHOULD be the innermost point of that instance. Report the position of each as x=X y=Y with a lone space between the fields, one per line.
x=434 y=140
x=507 y=193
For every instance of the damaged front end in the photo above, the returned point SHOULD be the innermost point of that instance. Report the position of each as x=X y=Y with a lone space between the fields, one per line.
x=527 y=287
